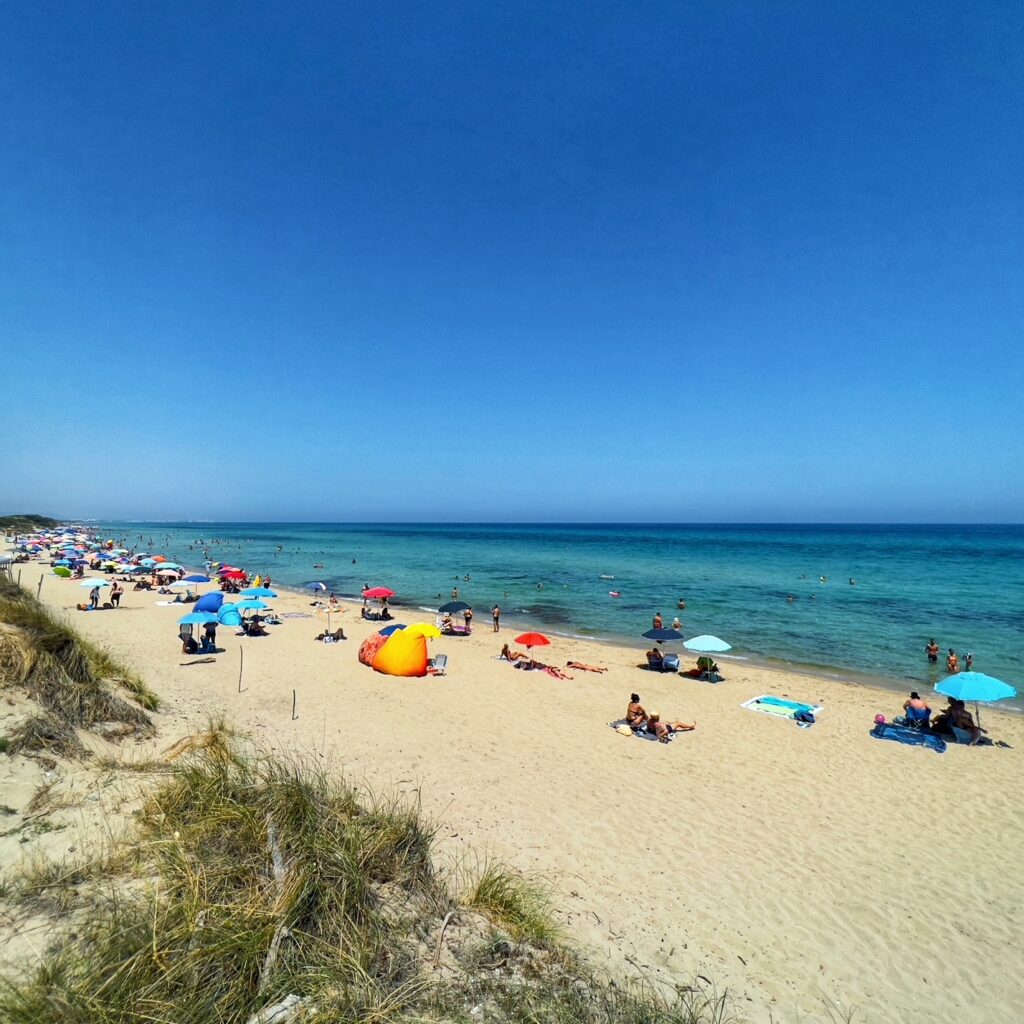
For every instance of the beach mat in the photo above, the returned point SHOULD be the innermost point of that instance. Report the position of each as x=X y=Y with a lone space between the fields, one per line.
x=911 y=737
x=780 y=707
x=640 y=734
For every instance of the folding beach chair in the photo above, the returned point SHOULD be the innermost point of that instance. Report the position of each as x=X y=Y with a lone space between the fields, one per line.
x=439 y=665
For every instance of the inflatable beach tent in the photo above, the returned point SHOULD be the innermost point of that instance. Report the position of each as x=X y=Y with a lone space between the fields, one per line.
x=400 y=654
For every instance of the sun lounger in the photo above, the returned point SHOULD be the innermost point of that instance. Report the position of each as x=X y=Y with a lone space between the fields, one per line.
x=438 y=665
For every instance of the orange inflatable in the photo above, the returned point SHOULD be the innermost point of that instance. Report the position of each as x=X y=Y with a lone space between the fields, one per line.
x=402 y=655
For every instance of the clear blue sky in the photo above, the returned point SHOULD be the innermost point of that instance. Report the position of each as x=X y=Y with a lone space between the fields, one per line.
x=467 y=261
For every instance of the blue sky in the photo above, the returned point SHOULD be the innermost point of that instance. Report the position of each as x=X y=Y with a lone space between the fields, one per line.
x=531 y=261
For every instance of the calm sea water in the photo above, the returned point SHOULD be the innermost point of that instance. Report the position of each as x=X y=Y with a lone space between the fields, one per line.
x=963 y=585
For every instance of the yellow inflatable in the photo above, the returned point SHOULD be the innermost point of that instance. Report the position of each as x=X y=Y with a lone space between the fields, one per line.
x=402 y=655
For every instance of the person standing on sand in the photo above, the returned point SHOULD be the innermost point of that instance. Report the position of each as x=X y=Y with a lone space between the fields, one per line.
x=115 y=594
x=932 y=650
x=94 y=598
x=495 y=617
x=467 y=617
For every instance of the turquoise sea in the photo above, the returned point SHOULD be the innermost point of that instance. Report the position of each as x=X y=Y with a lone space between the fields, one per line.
x=963 y=585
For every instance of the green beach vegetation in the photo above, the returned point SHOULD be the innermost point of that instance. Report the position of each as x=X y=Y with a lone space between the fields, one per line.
x=28 y=523
x=257 y=888
x=75 y=684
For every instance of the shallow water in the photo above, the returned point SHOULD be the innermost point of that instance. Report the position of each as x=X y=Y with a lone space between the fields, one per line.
x=963 y=585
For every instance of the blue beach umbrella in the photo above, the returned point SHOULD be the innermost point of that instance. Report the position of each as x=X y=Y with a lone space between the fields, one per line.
x=196 y=578
x=251 y=605
x=661 y=635
x=388 y=630
x=975 y=686
x=210 y=602
x=706 y=644
x=95 y=583
x=197 y=618
x=258 y=592
x=316 y=586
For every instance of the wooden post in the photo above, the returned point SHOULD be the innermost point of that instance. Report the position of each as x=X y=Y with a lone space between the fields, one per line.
x=39 y=589
x=294 y=700
x=241 y=666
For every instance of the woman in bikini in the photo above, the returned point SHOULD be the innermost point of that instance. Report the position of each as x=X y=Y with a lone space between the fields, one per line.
x=636 y=716
x=508 y=655
x=579 y=666
x=663 y=730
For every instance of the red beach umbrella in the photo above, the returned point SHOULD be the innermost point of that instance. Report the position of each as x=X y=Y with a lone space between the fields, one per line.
x=378 y=592
x=234 y=575
x=529 y=640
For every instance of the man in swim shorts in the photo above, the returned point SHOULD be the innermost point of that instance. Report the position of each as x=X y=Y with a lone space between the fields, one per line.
x=932 y=650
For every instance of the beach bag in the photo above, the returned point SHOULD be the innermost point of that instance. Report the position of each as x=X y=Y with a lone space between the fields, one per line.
x=804 y=716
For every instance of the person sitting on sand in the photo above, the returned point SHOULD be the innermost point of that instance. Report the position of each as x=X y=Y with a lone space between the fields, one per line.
x=636 y=716
x=963 y=719
x=663 y=730
x=338 y=634
x=254 y=627
x=655 y=655
x=579 y=666
x=508 y=655
x=189 y=644
x=706 y=664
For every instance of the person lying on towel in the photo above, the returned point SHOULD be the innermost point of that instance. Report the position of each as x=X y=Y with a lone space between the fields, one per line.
x=663 y=730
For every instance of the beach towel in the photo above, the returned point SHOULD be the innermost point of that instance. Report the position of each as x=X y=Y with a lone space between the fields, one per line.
x=911 y=737
x=642 y=734
x=296 y=615
x=782 y=708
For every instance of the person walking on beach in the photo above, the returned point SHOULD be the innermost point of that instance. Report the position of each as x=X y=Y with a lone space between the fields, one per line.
x=115 y=594
x=932 y=650
x=495 y=617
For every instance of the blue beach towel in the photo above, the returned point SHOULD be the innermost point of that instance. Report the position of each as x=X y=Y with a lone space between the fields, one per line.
x=912 y=737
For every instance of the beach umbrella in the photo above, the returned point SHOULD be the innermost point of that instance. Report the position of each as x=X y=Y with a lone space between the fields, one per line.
x=170 y=565
x=705 y=644
x=661 y=635
x=387 y=630
x=317 y=587
x=95 y=583
x=197 y=578
x=234 y=574
x=165 y=572
x=257 y=592
x=975 y=686
x=61 y=570
x=210 y=602
x=147 y=562
x=251 y=605
x=197 y=618
x=453 y=607
x=378 y=592
x=62 y=561
x=531 y=640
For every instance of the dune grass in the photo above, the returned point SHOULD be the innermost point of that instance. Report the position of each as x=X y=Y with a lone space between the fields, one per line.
x=72 y=679
x=270 y=883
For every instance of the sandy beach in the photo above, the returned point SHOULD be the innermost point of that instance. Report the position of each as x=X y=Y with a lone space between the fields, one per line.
x=798 y=868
